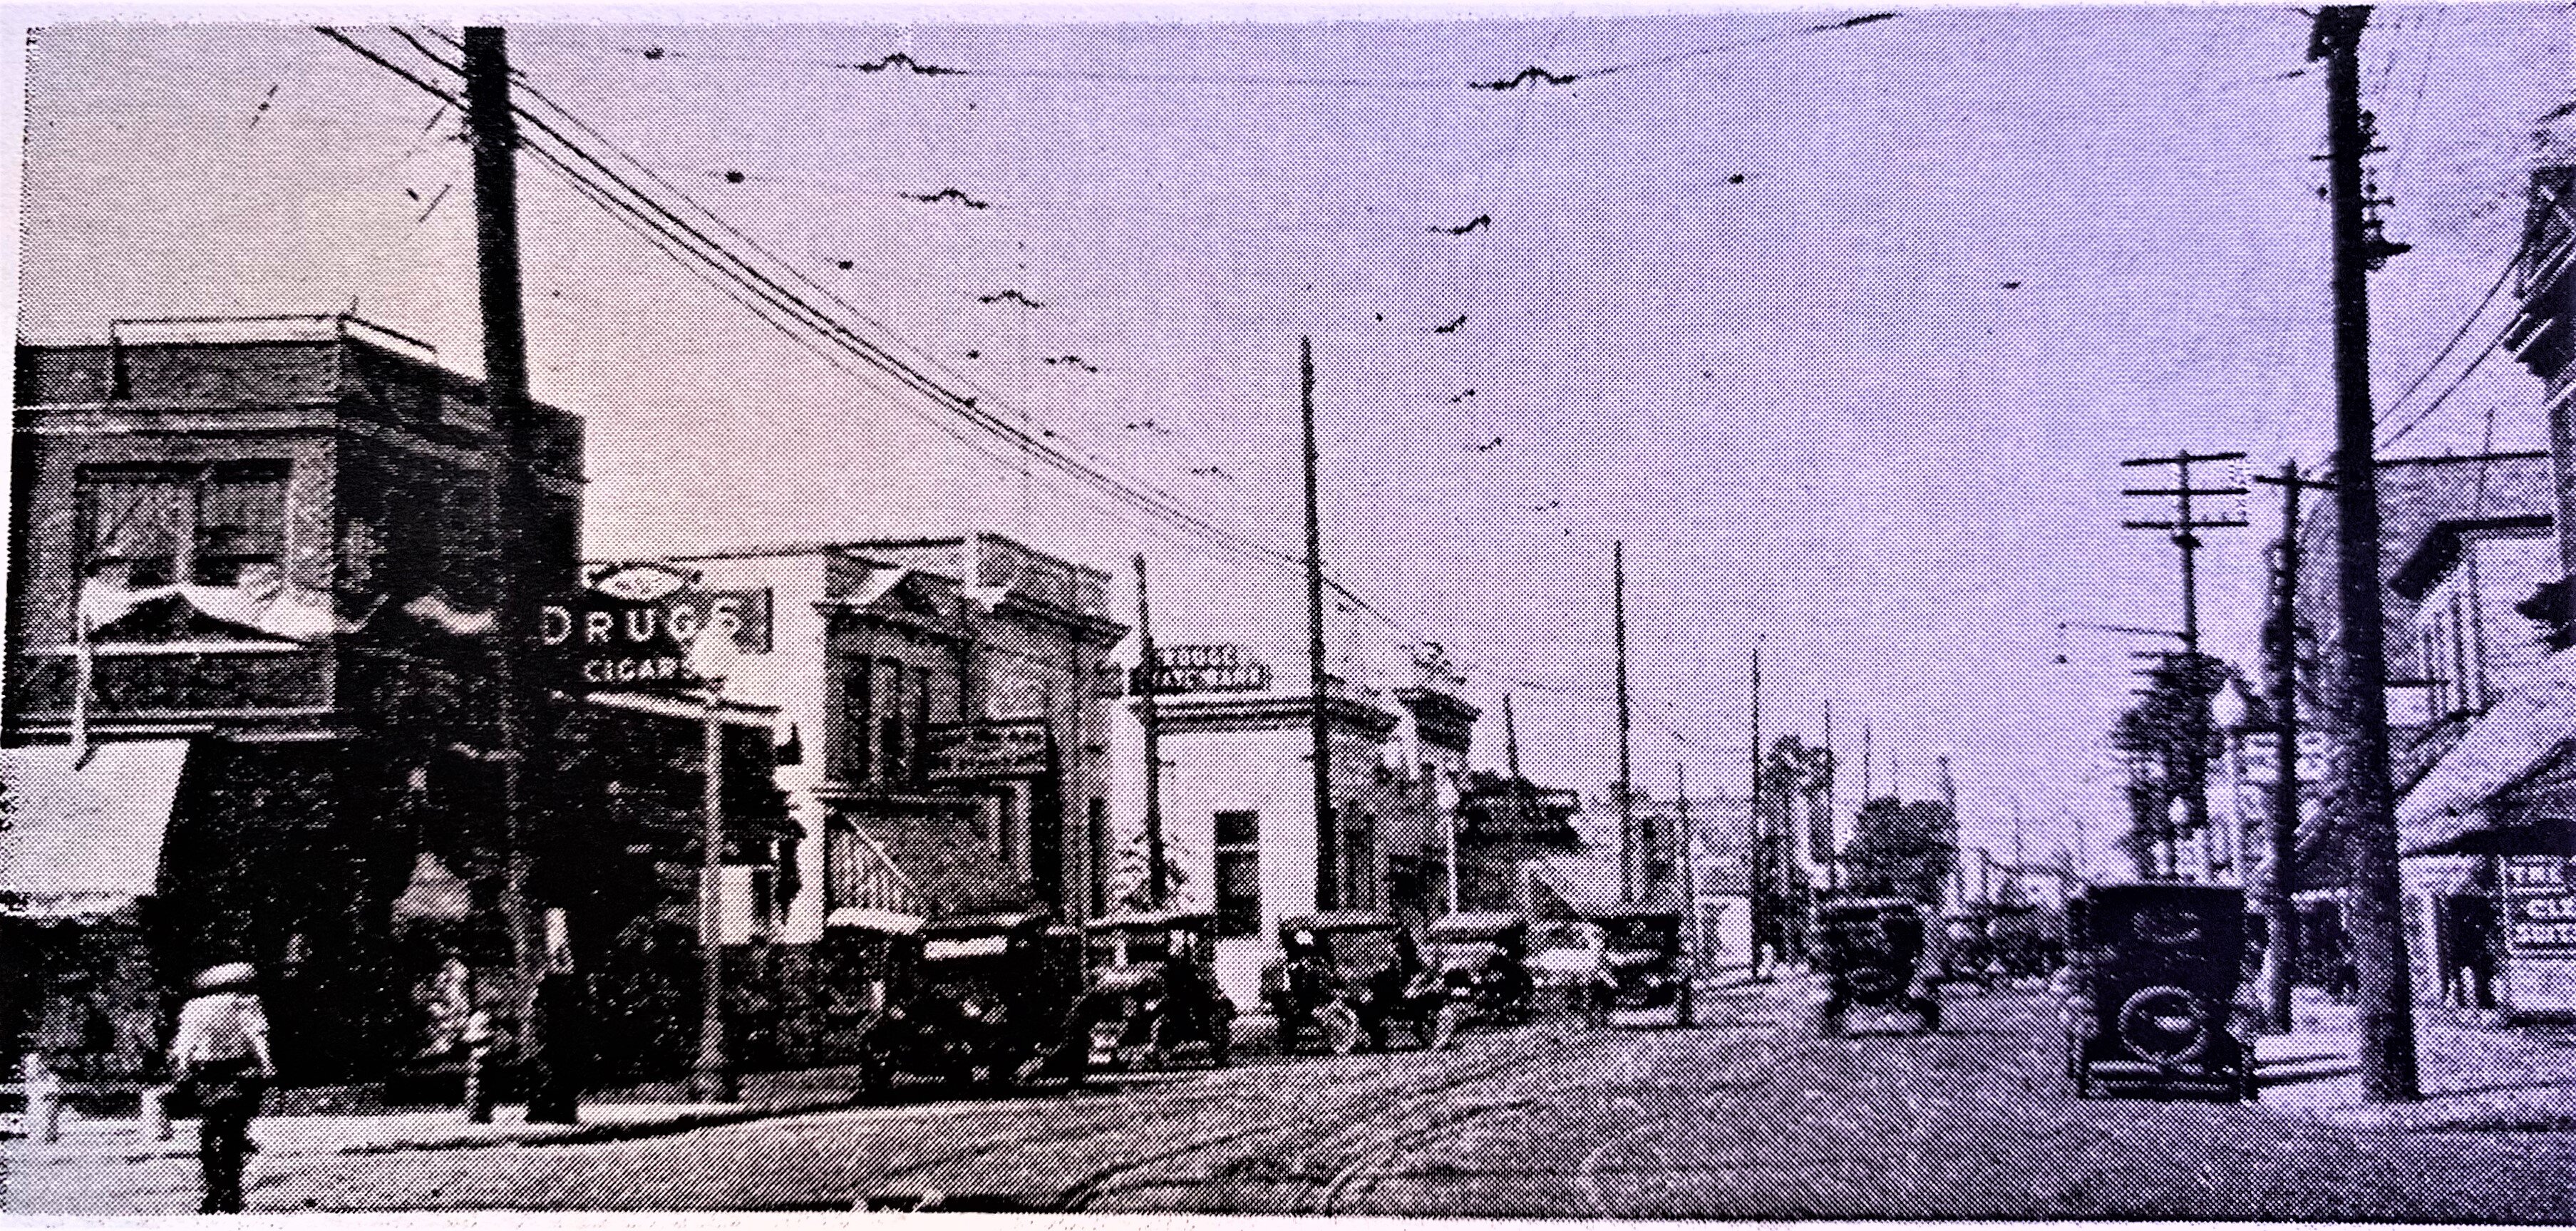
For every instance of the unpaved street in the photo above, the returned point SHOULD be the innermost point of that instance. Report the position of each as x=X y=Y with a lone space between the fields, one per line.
x=1747 y=1116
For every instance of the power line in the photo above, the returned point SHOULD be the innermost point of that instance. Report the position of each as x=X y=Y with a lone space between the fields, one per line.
x=755 y=292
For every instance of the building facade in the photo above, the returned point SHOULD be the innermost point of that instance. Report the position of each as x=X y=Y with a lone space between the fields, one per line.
x=246 y=517
x=254 y=571
x=1239 y=820
x=945 y=696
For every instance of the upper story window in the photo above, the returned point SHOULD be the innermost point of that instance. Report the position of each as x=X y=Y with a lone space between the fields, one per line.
x=157 y=525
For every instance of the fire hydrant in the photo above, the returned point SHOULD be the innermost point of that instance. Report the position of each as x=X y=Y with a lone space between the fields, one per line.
x=478 y=1050
x=44 y=1098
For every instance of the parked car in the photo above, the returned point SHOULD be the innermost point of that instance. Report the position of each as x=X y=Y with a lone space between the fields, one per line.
x=1565 y=960
x=1347 y=978
x=983 y=999
x=1153 y=1000
x=1482 y=961
x=1646 y=970
x=2150 y=991
x=1869 y=954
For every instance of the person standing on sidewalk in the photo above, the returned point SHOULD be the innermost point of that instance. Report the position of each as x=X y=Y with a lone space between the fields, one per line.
x=560 y=1061
x=221 y=1052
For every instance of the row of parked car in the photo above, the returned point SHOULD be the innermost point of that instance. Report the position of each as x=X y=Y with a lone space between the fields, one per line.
x=994 y=1001
x=2148 y=997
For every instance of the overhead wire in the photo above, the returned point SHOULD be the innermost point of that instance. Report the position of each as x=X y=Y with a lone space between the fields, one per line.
x=765 y=297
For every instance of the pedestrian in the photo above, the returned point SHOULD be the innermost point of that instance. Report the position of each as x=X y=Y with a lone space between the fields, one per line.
x=560 y=1046
x=221 y=1052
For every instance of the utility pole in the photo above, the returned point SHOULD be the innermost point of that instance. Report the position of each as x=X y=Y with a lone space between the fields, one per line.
x=2195 y=792
x=2379 y=941
x=1757 y=852
x=2281 y=828
x=1327 y=835
x=1825 y=851
x=1629 y=872
x=493 y=135
x=1690 y=870
x=1868 y=757
x=1157 y=875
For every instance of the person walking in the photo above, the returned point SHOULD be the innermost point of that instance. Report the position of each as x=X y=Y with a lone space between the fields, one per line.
x=221 y=1052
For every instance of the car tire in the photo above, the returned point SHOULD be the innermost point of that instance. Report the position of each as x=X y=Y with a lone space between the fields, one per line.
x=1445 y=1026
x=1684 y=1015
x=1338 y=1029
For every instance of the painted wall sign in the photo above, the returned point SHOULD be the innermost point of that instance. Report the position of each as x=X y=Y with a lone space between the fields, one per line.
x=989 y=749
x=2540 y=906
x=1208 y=668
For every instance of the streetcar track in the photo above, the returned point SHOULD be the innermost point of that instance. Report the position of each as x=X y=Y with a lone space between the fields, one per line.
x=1107 y=1180
x=1739 y=1075
x=1361 y=1171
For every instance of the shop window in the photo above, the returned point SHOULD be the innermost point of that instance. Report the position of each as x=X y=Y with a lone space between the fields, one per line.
x=893 y=747
x=1238 y=873
x=858 y=710
x=156 y=525
x=1096 y=831
x=1358 y=864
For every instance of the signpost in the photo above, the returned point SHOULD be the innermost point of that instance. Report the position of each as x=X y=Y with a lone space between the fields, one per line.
x=630 y=628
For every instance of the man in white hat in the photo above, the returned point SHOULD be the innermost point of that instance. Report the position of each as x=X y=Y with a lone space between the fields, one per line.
x=222 y=1053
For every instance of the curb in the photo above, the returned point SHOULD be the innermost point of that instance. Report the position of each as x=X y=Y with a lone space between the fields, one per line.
x=591 y=1134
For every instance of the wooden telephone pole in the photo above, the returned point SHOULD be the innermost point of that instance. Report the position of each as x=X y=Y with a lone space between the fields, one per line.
x=2379 y=938
x=1629 y=857
x=2281 y=828
x=1157 y=883
x=1328 y=861
x=2185 y=524
x=492 y=133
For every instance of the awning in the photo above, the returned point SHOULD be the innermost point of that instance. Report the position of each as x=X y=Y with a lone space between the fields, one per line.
x=874 y=920
x=84 y=838
x=2515 y=736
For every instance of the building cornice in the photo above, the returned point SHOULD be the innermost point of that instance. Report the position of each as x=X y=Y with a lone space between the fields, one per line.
x=1445 y=720
x=1264 y=711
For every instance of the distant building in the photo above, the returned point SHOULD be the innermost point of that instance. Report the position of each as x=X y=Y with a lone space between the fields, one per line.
x=1238 y=794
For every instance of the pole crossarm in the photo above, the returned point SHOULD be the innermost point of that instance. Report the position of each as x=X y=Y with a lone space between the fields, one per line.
x=2184 y=459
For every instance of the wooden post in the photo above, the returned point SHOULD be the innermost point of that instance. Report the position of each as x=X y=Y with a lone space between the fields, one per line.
x=2379 y=939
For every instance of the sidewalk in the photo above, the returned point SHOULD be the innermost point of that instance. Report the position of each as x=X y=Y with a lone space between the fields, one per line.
x=643 y=1111
x=2475 y=1077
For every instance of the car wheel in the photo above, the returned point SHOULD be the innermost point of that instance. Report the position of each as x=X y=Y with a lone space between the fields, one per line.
x=1931 y=1016
x=1340 y=1028
x=1683 y=1015
x=1444 y=1028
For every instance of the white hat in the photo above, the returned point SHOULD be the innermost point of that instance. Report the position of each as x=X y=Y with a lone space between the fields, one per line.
x=228 y=976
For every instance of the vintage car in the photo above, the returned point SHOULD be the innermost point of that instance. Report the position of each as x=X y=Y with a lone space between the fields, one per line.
x=1153 y=1001
x=1345 y=978
x=1482 y=961
x=980 y=999
x=1566 y=959
x=2150 y=991
x=1646 y=970
x=1869 y=954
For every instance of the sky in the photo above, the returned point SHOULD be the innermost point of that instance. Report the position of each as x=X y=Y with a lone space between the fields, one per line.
x=1843 y=333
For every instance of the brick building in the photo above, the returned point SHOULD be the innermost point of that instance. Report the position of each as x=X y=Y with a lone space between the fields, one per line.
x=277 y=534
